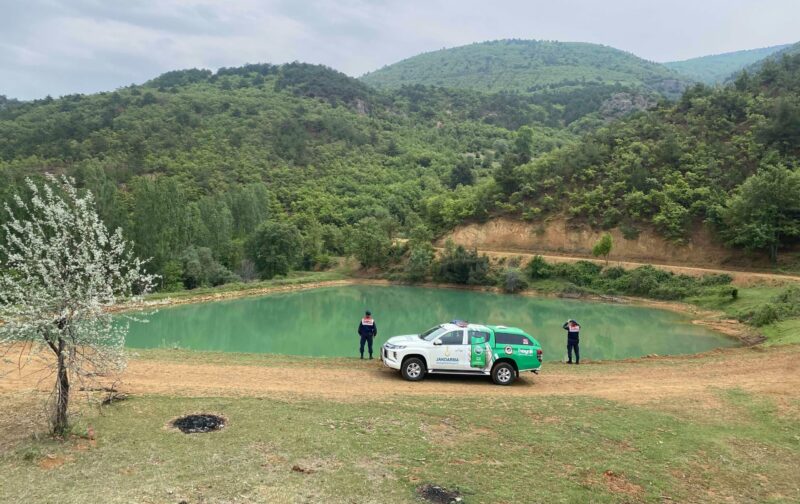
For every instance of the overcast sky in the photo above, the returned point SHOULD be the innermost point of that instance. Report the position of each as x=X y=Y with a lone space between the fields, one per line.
x=59 y=47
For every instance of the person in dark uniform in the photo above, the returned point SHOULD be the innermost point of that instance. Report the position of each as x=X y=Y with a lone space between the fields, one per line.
x=367 y=330
x=573 y=340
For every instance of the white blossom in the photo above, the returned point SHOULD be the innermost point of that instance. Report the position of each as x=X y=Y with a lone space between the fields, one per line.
x=61 y=271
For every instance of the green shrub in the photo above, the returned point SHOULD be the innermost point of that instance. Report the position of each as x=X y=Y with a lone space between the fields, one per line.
x=715 y=279
x=419 y=263
x=322 y=262
x=200 y=269
x=460 y=266
x=582 y=273
x=790 y=296
x=571 y=289
x=614 y=272
x=629 y=232
x=645 y=281
x=172 y=279
x=764 y=315
x=512 y=280
x=784 y=305
x=538 y=269
x=725 y=291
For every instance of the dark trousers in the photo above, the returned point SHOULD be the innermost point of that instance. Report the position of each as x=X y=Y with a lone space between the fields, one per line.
x=570 y=346
x=368 y=340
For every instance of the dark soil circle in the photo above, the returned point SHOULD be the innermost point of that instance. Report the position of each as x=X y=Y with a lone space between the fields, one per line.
x=438 y=495
x=193 y=424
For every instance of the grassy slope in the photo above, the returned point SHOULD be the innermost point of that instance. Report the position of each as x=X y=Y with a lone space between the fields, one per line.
x=716 y=68
x=498 y=450
x=507 y=65
x=779 y=333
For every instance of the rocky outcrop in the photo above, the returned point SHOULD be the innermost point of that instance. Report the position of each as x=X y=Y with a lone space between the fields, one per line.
x=622 y=104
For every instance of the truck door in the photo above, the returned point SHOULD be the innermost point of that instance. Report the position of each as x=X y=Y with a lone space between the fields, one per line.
x=478 y=349
x=450 y=352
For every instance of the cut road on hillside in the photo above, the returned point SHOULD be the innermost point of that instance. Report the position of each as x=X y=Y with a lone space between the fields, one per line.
x=740 y=277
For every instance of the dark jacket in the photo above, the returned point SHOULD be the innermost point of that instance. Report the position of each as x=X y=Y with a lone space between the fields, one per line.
x=367 y=327
x=573 y=336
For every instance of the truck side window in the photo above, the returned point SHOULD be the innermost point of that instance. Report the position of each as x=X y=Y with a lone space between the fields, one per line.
x=512 y=339
x=453 y=338
x=478 y=334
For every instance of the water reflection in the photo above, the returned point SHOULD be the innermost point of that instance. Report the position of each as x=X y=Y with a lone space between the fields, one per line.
x=323 y=322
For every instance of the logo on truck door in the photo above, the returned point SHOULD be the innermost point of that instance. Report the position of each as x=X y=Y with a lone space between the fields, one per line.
x=509 y=350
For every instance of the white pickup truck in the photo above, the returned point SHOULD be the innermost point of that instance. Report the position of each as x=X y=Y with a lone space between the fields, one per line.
x=462 y=348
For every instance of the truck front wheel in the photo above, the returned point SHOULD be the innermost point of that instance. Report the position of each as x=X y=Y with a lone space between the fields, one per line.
x=413 y=369
x=503 y=374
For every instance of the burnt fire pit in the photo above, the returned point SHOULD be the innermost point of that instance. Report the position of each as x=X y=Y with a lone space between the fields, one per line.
x=439 y=495
x=194 y=424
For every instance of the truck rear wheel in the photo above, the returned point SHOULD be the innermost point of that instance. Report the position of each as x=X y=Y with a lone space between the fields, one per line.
x=413 y=369
x=504 y=374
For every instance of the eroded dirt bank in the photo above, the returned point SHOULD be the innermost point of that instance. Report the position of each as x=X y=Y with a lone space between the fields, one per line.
x=561 y=241
x=740 y=277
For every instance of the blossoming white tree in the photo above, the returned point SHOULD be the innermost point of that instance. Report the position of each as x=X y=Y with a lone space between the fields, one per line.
x=60 y=272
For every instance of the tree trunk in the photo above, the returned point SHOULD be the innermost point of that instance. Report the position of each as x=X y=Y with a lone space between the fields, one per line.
x=773 y=253
x=60 y=420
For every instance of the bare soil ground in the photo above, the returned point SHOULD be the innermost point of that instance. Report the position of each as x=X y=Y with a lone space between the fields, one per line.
x=771 y=371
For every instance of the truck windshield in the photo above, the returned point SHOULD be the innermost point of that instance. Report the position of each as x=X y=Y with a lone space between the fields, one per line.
x=432 y=333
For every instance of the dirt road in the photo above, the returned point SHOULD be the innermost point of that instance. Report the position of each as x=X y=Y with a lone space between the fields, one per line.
x=740 y=277
x=772 y=371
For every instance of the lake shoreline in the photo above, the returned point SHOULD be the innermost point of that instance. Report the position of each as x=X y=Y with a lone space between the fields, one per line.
x=713 y=320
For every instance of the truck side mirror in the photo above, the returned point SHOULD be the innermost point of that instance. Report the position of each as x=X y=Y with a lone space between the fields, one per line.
x=437 y=342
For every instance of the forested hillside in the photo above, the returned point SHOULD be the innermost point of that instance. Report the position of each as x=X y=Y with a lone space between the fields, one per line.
x=727 y=157
x=254 y=171
x=525 y=65
x=717 y=68
x=206 y=172
x=578 y=78
x=790 y=50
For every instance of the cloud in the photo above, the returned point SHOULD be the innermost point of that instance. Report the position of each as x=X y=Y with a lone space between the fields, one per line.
x=60 y=47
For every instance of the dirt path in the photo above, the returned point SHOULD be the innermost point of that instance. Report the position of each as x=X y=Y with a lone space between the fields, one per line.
x=774 y=371
x=739 y=277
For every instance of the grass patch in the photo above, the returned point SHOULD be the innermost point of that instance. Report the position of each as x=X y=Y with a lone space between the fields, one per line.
x=748 y=299
x=753 y=302
x=782 y=333
x=497 y=450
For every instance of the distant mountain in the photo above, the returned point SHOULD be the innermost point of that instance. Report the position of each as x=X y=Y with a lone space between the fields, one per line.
x=529 y=66
x=789 y=50
x=717 y=68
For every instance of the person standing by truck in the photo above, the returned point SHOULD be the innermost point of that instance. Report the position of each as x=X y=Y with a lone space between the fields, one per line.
x=573 y=340
x=367 y=330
